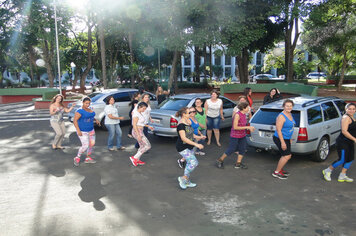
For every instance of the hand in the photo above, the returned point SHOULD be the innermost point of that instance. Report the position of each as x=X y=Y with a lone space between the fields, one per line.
x=97 y=122
x=79 y=133
x=121 y=118
x=251 y=128
x=284 y=146
x=139 y=139
x=200 y=146
x=73 y=104
x=203 y=137
x=151 y=127
x=222 y=117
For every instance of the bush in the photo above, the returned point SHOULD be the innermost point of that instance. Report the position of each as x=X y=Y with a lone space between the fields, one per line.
x=112 y=85
x=193 y=85
x=346 y=77
x=34 y=83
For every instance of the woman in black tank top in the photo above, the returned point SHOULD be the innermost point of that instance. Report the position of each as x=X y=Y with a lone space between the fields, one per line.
x=345 y=145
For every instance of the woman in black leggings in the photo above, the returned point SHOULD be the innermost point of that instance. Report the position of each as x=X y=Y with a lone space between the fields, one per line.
x=345 y=145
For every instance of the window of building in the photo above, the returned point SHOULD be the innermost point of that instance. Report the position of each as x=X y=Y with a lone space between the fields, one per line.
x=227 y=60
x=217 y=60
x=258 y=58
x=227 y=71
x=187 y=59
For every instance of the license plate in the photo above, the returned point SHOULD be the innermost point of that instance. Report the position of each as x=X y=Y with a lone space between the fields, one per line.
x=156 y=121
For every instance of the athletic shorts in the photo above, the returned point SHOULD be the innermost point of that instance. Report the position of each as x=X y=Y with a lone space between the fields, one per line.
x=286 y=152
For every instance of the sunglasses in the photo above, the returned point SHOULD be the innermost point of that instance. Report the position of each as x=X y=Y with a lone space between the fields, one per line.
x=190 y=112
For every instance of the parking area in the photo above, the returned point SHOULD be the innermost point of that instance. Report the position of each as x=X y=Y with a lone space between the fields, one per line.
x=42 y=193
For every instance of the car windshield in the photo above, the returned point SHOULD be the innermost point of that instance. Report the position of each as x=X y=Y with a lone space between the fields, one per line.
x=174 y=104
x=95 y=96
x=269 y=116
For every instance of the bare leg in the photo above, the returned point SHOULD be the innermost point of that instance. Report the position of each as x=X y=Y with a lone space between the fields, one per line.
x=239 y=158
x=282 y=162
x=217 y=136
x=209 y=132
x=222 y=158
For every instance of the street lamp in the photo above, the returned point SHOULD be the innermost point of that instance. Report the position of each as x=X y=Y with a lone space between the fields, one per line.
x=58 y=62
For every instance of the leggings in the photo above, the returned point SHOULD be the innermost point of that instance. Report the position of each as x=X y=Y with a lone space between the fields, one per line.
x=192 y=162
x=145 y=145
x=88 y=141
x=345 y=151
x=60 y=130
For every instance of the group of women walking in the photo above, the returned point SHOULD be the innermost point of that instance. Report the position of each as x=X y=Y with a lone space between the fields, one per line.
x=196 y=126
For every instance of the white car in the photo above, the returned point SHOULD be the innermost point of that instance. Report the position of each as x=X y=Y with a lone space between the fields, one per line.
x=122 y=98
x=316 y=75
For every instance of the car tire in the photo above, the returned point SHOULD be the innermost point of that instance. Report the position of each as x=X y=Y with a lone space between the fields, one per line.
x=322 y=152
x=102 y=124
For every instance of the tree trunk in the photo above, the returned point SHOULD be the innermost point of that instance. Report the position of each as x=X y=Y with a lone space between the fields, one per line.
x=102 y=52
x=242 y=63
x=89 y=57
x=48 y=64
x=205 y=57
x=197 y=64
x=132 y=59
x=173 y=74
x=211 y=62
x=76 y=77
x=342 y=75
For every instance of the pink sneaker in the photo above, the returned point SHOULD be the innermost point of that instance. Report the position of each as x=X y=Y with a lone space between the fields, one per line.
x=133 y=161
x=141 y=163
x=76 y=161
x=89 y=160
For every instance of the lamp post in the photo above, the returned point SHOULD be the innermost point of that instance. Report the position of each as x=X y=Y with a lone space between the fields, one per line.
x=58 y=62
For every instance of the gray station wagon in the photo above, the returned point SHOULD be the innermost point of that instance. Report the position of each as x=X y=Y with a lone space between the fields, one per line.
x=318 y=124
x=165 y=122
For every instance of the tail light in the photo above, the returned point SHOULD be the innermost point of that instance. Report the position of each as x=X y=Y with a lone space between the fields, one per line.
x=173 y=123
x=248 y=131
x=303 y=134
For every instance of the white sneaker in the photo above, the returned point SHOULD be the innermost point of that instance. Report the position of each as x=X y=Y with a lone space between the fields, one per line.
x=201 y=153
x=327 y=175
x=197 y=153
x=345 y=179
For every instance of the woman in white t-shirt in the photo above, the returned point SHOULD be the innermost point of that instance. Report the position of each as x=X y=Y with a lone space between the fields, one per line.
x=112 y=123
x=138 y=124
x=214 y=113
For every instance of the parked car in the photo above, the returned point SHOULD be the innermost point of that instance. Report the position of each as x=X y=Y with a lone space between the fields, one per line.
x=316 y=75
x=165 y=122
x=318 y=124
x=122 y=98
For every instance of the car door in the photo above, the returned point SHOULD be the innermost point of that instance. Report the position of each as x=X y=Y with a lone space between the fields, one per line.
x=332 y=123
x=315 y=124
x=228 y=107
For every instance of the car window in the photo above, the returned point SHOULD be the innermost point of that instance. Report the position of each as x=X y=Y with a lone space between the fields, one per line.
x=314 y=115
x=120 y=97
x=329 y=111
x=174 y=104
x=95 y=96
x=269 y=116
x=341 y=105
x=227 y=103
x=152 y=97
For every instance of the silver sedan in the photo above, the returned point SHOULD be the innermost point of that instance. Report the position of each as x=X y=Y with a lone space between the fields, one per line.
x=165 y=122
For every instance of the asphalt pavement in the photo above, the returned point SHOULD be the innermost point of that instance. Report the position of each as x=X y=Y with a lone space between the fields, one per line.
x=43 y=194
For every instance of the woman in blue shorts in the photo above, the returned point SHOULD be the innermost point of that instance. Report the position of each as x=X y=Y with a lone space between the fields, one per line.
x=214 y=113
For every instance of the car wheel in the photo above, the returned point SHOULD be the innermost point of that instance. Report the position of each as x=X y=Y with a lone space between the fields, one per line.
x=102 y=124
x=322 y=152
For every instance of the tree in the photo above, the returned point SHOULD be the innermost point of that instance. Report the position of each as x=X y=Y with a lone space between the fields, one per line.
x=331 y=29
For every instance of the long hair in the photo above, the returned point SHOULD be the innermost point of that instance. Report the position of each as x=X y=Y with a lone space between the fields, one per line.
x=133 y=99
x=55 y=97
x=143 y=95
x=247 y=92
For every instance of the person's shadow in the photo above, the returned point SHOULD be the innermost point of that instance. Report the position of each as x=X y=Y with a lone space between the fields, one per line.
x=92 y=191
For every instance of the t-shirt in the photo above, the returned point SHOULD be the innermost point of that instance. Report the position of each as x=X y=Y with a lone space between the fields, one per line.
x=201 y=118
x=195 y=126
x=86 y=120
x=140 y=116
x=214 y=108
x=110 y=109
x=189 y=131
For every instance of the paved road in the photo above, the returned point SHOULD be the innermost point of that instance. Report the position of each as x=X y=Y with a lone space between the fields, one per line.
x=43 y=194
x=22 y=111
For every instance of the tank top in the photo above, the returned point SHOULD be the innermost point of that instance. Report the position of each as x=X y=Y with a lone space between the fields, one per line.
x=288 y=127
x=351 y=129
x=86 y=120
x=58 y=117
x=214 y=108
x=195 y=126
x=242 y=122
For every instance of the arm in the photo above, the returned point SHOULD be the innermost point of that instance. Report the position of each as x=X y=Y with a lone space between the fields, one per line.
x=115 y=118
x=206 y=107
x=66 y=109
x=279 y=124
x=222 y=111
x=52 y=110
x=75 y=122
x=188 y=141
x=345 y=122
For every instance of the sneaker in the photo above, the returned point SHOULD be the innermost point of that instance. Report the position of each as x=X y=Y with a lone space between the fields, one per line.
x=141 y=163
x=182 y=183
x=201 y=153
x=345 y=179
x=190 y=184
x=89 y=160
x=133 y=161
x=327 y=175
x=279 y=175
x=181 y=163
x=76 y=161
x=219 y=164
x=111 y=149
x=240 y=166
x=197 y=153
x=286 y=173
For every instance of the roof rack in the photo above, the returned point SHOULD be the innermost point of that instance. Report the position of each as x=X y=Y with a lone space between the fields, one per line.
x=319 y=100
